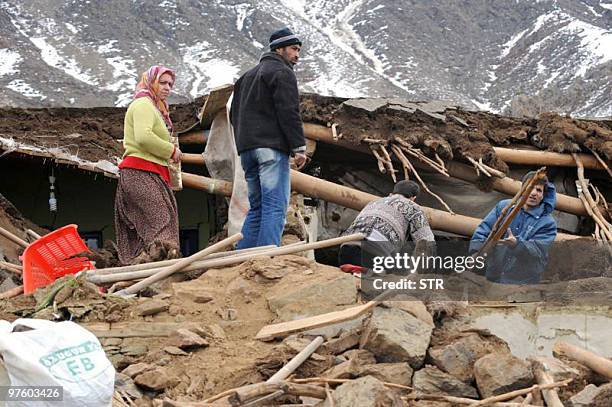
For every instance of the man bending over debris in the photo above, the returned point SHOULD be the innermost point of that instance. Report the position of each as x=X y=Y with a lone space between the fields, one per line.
x=392 y=219
x=266 y=118
x=521 y=257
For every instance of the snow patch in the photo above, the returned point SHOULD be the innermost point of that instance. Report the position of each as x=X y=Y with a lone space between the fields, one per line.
x=72 y=28
x=108 y=47
x=607 y=6
x=257 y=44
x=52 y=58
x=218 y=71
x=242 y=12
x=595 y=41
x=376 y=8
x=9 y=59
x=484 y=106
x=511 y=43
x=20 y=86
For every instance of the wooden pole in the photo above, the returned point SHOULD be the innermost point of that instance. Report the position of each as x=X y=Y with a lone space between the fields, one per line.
x=225 y=261
x=591 y=360
x=13 y=238
x=516 y=393
x=212 y=186
x=11 y=267
x=550 y=395
x=165 y=263
x=13 y=292
x=296 y=362
x=548 y=158
x=159 y=275
x=499 y=230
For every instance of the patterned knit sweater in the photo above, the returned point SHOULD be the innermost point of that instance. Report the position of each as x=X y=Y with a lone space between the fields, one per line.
x=395 y=217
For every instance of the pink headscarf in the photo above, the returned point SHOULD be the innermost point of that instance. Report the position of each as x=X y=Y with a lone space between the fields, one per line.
x=149 y=87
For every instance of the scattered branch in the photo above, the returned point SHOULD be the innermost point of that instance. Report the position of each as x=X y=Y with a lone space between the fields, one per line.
x=416 y=174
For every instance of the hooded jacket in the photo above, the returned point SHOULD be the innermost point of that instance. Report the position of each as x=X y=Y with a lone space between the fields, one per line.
x=534 y=230
x=265 y=110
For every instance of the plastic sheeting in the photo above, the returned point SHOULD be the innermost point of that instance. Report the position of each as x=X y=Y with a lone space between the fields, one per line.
x=223 y=162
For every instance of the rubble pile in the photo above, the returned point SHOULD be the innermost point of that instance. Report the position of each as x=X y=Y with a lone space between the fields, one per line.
x=191 y=341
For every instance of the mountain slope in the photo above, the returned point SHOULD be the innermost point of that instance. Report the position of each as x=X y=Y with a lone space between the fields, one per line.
x=514 y=56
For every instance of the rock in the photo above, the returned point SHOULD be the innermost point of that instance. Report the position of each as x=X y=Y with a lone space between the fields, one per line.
x=431 y=380
x=125 y=384
x=152 y=307
x=415 y=308
x=367 y=105
x=345 y=370
x=185 y=339
x=212 y=331
x=346 y=341
x=136 y=369
x=458 y=357
x=592 y=396
x=337 y=289
x=134 y=350
x=158 y=379
x=361 y=356
x=173 y=350
x=111 y=341
x=396 y=336
x=239 y=287
x=191 y=291
x=499 y=373
x=364 y=392
x=398 y=373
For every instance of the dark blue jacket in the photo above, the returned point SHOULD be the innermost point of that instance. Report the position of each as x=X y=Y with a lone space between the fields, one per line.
x=534 y=230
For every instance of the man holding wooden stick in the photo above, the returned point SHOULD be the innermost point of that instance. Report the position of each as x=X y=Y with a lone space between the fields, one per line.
x=520 y=257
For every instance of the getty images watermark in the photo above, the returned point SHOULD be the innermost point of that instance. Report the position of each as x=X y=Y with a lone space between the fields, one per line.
x=408 y=264
x=568 y=272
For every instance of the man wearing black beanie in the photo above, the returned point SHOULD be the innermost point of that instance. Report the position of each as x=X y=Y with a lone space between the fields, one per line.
x=268 y=129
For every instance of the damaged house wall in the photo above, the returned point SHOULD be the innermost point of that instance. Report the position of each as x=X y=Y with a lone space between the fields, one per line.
x=87 y=199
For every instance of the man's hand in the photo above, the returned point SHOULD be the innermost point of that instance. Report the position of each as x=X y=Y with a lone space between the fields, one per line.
x=176 y=156
x=510 y=240
x=300 y=160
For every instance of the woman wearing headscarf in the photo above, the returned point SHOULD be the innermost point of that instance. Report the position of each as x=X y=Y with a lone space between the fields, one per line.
x=146 y=216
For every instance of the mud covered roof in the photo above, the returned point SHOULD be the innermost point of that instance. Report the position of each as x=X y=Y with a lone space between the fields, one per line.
x=91 y=137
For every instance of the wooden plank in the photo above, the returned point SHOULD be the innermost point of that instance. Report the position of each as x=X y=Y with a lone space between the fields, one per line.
x=216 y=100
x=136 y=329
x=287 y=328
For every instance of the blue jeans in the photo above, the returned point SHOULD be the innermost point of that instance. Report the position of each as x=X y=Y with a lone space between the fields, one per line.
x=267 y=175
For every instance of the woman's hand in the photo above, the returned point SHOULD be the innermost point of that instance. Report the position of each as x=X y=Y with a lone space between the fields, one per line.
x=176 y=155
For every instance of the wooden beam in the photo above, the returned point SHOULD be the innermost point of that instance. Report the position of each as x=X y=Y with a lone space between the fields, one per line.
x=596 y=363
x=215 y=102
x=548 y=158
x=289 y=327
x=194 y=137
x=17 y=240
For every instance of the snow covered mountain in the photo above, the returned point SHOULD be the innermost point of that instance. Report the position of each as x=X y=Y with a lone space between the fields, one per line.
x=512 y=56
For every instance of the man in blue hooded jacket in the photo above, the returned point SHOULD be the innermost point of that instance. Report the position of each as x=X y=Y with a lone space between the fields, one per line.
x=522 y=255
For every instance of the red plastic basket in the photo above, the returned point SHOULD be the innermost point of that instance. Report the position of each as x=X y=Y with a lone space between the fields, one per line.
x=51 y=257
